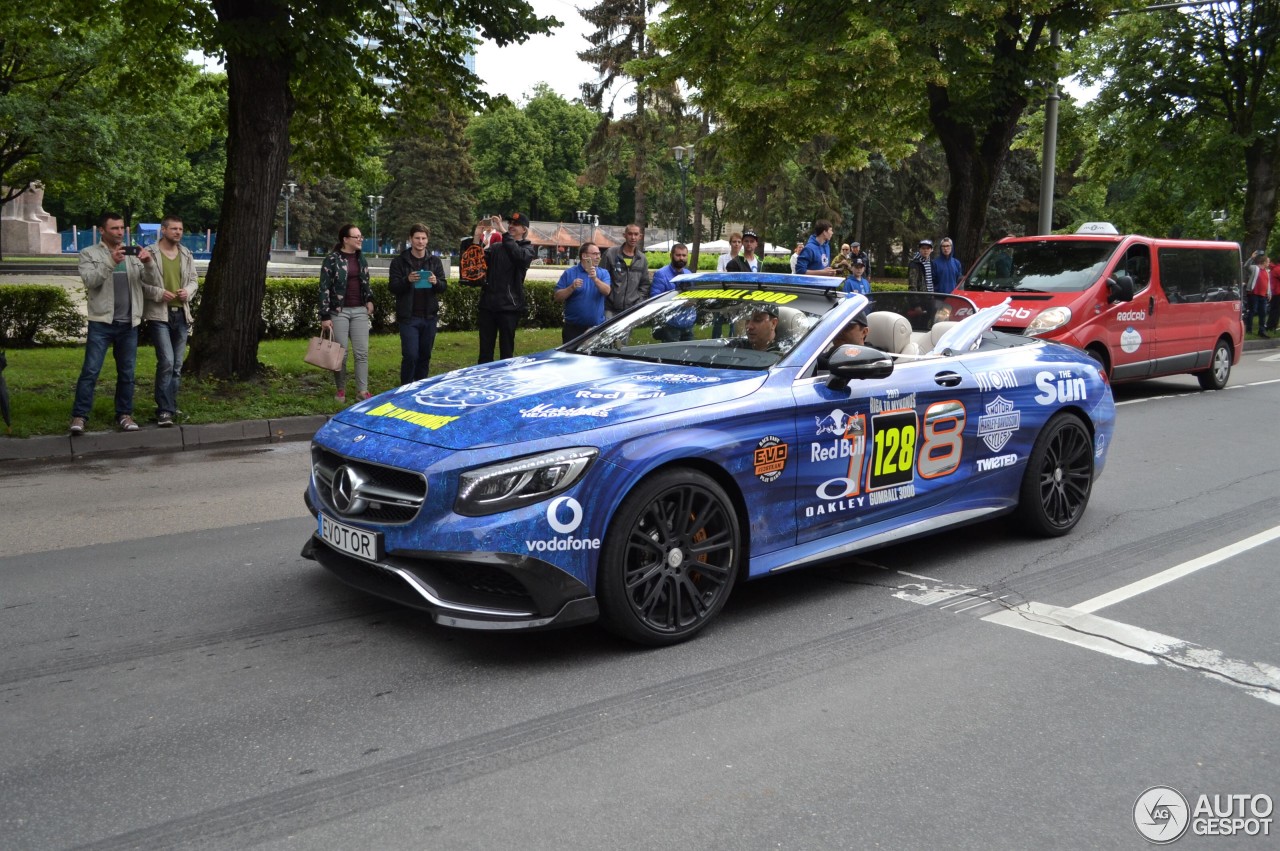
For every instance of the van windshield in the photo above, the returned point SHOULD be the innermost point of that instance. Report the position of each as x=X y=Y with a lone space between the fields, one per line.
x=1049 y=266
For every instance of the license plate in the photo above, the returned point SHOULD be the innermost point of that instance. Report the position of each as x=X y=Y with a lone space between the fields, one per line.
x=350 y=540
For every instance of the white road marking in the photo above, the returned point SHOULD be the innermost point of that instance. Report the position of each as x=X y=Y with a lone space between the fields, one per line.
x=1135 y=644
x=1078 y=625
x=1177 y=572
x=1269 y=359
x=1196 y=392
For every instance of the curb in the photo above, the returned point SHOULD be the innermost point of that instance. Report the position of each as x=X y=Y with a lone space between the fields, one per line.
x=156 y=440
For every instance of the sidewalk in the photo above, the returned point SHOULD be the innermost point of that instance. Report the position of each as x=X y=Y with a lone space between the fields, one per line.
x=151 y=439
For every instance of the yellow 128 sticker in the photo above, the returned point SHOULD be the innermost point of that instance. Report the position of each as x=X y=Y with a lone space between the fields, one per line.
x=893 y=449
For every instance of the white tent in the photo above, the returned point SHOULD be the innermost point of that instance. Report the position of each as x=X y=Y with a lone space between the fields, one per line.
x=665 y=245
x=771 y=249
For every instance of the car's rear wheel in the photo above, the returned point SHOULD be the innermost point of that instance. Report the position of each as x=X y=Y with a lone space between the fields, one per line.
x=1058 y=478
x=670 y=558
x=1215 y=377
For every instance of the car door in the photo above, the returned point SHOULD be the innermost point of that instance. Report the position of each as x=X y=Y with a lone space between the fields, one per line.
x=1130 y=327
x=880 y=448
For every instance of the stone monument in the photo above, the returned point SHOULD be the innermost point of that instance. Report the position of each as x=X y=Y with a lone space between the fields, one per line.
x=26 y=228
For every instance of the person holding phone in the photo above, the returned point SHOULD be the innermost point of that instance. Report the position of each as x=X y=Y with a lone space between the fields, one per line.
x=582 y=290
x=417 y=280
x=116 y=282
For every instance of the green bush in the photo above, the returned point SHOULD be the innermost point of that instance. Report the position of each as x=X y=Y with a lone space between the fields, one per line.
x=37 y=313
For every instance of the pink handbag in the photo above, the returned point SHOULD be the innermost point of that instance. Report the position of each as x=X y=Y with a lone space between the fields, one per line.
x=325 y=352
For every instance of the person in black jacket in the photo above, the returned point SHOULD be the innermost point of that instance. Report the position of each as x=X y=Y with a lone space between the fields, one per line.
x=502 y=296
x=417 y=280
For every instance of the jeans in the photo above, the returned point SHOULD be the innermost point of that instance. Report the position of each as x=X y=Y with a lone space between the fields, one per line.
x=122 y=339
x=1258 y=308
x=1274 y=318
x=500 y=327
x=170 y=340
x=417 y=336
x=572 y=331
x=352 y=323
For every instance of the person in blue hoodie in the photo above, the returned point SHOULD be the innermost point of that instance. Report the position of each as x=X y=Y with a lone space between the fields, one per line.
x=947 y=268
x=815 y=257
x=857 y=282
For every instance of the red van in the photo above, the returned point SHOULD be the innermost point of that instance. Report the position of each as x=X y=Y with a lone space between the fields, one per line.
x=1142 y=307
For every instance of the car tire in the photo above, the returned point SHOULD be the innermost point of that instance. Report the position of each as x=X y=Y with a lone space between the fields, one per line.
x=1058 y=479
x=1219 y=371
x=670 y=558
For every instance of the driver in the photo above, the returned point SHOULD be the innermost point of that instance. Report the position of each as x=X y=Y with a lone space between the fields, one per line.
x=762 y=329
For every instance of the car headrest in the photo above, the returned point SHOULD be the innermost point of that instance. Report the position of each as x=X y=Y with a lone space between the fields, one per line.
x=888 y=331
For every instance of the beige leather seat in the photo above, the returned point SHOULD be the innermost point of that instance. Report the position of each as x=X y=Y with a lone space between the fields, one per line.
x=890 y=332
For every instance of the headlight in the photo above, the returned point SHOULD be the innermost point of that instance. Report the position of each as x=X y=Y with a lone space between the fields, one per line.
x=1049 y=320
x=511 y=484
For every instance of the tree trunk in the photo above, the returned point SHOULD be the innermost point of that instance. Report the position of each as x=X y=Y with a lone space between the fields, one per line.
x=259 y=105
x=1259 y=194
x=642 y=160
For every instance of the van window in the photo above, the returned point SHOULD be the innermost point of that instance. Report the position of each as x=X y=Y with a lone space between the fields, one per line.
x=1057 y=266
x=1137 y=263
x=1198 y=274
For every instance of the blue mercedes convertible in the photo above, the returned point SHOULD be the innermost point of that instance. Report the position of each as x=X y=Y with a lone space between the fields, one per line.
x=737 y=427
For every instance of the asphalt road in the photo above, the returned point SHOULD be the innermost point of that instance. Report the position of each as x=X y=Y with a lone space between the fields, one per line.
x=174 y=675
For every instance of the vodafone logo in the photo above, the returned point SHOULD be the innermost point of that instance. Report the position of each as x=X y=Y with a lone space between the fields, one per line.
x=554 y=514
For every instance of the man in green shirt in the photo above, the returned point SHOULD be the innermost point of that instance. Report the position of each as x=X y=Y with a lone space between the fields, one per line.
x=170 y=318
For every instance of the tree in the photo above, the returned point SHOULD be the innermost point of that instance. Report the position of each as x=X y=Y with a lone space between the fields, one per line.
x=1189 y=111
x=318 y=209
x=74 y=89
x=620 y=37
x=875 y=77
x=530 y=158
x=431 y=178
x=296 y=67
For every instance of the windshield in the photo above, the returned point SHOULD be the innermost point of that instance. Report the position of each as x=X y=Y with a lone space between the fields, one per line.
x=713 y=326
x=1048 y=266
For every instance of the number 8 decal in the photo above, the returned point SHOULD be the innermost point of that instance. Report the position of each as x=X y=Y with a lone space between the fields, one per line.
x=943 y=439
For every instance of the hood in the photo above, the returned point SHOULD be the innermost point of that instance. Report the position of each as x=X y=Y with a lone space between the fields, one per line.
x=1024 y=307
x=548 y=394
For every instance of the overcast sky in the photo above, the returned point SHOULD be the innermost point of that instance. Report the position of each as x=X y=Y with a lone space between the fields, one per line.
x=551 y=59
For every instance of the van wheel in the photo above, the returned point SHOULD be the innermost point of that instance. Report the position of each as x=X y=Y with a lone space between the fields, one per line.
x=1100 y=356
x=1215 y=377
x=1058 y=478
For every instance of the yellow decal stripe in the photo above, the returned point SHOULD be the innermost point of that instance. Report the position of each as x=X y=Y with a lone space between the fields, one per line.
x=431 y=421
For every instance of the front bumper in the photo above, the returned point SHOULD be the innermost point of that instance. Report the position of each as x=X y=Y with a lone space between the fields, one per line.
x=472 y=590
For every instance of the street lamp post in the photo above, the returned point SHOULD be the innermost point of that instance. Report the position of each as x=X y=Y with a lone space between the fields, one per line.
x=375 y=202
x=584 y=219
x=683 y=162
x=287 y=190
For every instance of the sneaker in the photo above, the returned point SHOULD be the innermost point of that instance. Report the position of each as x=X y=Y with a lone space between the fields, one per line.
x=340 y=396
x=77 y=425
x=365 y=394
x=126 y=423
x=164 y=419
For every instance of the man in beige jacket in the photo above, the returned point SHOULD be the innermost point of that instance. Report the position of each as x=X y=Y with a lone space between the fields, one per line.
x=117 y=278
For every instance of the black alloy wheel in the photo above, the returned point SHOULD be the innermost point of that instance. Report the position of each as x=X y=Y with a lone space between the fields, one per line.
x=1058 y=478
x=670 y=558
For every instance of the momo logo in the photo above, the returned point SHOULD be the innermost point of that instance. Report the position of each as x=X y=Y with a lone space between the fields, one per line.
x=564 y=515
x=1063 y=387
x=1131 y=316
x=998 y=424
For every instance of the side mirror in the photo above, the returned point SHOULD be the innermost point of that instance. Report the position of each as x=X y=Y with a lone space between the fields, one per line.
x=849 y=363
x=1119 y=287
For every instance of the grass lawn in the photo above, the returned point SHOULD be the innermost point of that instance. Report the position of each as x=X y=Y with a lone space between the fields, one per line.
x=42 y=382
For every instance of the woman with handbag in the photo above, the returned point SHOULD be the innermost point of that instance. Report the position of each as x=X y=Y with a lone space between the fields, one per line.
x=346 y=306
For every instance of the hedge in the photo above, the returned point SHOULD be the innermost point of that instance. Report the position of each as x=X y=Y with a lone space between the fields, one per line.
x=37 y=313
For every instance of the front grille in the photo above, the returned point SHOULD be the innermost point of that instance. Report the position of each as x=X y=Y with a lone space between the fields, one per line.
x=388 y=495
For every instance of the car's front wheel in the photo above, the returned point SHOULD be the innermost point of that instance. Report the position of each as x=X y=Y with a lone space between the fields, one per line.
x=1058 y=478
x=670 y=558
